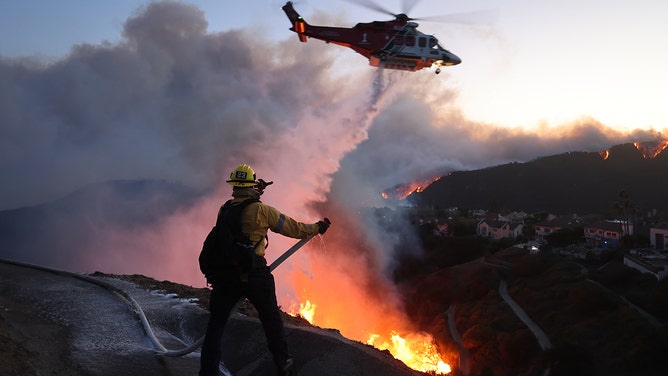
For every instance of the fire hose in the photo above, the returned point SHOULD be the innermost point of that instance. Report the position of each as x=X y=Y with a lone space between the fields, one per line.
x=160 y=348
x=105 y=285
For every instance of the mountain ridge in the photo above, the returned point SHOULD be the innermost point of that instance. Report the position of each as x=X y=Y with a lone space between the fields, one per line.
x=76 y=223
x=567 y=183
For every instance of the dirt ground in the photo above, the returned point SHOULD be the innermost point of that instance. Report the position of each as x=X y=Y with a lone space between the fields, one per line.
x=27 y=341
x=14 y=359
x=53 y=324
x=24 y=341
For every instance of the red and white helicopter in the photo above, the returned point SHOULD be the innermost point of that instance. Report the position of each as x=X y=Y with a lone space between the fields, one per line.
x=395 y=44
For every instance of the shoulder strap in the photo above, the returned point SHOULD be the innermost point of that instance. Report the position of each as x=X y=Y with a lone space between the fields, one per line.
x=249 y=201
x=235 y=210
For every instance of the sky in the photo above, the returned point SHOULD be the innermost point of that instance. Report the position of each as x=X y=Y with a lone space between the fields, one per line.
x=540 y=62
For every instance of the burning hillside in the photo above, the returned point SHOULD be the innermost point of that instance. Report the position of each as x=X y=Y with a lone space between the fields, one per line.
x=344 y=284
x=377 y=320
x=651 y=149
x=648 y=149
x=416 y=350
x=401 y=191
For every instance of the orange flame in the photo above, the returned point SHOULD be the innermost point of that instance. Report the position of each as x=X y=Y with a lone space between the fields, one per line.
x=417 y=351
x=306 y=311
x=604 y=154
x=342 y=285
x=651 y=149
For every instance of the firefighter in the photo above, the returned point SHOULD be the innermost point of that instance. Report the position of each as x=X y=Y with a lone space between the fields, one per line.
x=258 y=286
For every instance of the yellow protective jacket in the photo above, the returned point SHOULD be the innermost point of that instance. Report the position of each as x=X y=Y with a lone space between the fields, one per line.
x=257 y=218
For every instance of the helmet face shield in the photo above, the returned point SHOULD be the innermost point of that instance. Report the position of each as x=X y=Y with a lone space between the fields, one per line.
x=243 y=176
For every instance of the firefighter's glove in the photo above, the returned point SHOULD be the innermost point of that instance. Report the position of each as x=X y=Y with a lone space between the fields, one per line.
x=261 y=185
x=323 y=225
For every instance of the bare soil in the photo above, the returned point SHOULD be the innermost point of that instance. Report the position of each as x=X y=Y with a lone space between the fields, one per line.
x=18 y=351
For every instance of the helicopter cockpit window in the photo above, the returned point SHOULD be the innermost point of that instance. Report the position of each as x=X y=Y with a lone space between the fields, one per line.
x=399 y=39
x=434 y=48
x=410 y=40
x=422 y=42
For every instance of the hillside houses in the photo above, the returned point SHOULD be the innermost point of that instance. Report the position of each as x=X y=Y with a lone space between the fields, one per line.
x=658 y=236
x=607 y=234
x=496 y=229
x=590 y=235
x=597 y=233
x=552 y=225
x=648 y=262
x=653 y=261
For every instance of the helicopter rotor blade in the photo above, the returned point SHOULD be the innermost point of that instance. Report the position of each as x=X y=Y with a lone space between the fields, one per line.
x=480 y=17
x=408 y=5
x=370 y=4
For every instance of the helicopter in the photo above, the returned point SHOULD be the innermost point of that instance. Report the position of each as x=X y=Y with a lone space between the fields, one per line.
x=395 y=44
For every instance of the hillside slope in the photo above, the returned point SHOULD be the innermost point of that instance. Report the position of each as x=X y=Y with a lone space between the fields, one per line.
x=57 y=232
x=593 y=330
x=45 y=328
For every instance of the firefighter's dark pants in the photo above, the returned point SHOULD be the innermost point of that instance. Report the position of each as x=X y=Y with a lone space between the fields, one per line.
x=261 y=292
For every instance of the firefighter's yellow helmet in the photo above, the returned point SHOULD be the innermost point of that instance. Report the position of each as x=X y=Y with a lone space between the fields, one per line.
x=243 y=176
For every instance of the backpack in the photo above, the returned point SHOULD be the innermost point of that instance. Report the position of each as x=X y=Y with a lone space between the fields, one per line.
x=226 y=250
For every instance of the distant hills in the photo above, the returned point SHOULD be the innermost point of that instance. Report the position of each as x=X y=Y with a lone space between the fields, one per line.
x=574 y=182
x=58 y=232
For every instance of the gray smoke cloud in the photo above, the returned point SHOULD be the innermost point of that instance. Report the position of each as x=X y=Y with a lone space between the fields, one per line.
x=169 y=102
x=173 y=102
x=410 y=140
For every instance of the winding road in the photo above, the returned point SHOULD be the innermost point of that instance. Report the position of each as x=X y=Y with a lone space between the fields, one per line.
x=543 y=340
x=464 y=363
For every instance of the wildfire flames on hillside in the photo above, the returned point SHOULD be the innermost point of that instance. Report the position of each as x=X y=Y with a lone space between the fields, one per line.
x=401 y=191
x=651 y=149
x=343 y=285
x=416 y=350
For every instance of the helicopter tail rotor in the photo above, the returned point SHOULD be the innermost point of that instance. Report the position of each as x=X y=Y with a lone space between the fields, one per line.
x=298 y=24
